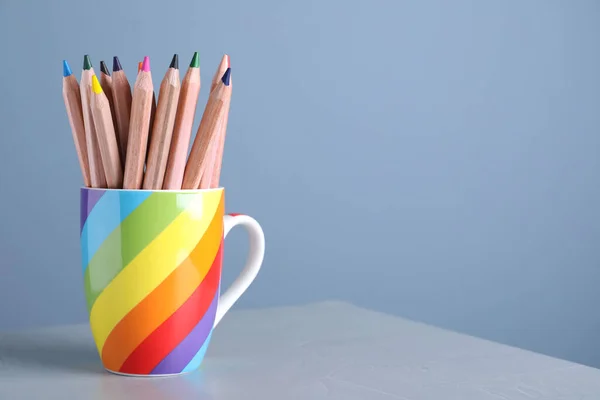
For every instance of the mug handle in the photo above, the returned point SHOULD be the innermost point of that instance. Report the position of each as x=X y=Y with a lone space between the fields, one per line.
x=254 y=261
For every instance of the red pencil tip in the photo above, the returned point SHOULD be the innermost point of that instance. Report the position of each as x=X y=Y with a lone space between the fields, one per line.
x=146 y=64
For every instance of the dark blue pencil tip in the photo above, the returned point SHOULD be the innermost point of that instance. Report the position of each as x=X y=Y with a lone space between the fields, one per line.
x=116 y=64
x=226 y=77
x=66 y=69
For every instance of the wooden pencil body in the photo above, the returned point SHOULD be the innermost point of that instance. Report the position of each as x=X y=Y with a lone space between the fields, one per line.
x=106 y=82
x=121 y=93
x=182 y=131
x=107 y=140
x=198 y=159
x=211 y=156
x=97 y=177
x=72 y=99
x=217 y=161
x=210 y=178
x=139 y=123
x=162 y=130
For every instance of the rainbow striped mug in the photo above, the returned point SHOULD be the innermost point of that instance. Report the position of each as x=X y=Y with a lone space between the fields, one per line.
x=152 y=274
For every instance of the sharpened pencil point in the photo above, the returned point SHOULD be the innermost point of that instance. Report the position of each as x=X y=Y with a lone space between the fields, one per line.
x=195 y=61
x=226 y=77
x=146 y=64
x=66 y=69
x=104 y=68
x=116 y=64
x=87 y=63
x=175 y=62
x=96 y=85
x=139 y=66
x=228 y=61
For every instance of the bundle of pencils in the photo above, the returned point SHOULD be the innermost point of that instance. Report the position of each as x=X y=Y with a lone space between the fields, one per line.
x=141 y=141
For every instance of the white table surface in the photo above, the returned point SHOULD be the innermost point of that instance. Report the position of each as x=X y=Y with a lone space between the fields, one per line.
x=329 y=350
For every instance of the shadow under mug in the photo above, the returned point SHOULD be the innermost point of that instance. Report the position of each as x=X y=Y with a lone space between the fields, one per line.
x=152 y=274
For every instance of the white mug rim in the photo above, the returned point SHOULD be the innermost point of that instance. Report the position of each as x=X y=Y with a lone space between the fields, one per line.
x=155 y=190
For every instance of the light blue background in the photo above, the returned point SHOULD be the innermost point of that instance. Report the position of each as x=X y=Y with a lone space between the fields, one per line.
x=434 y=159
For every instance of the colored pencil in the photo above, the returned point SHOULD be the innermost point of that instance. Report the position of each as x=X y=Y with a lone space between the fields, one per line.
x=223 y=65
x=139 y=124
x=126 y=140
x=121 y=93
x=214 y=114
x=211 y=177
x=182 y=131
x=107 y=86
x=152 y=112
x=97 y=177
x=107 y=139
x=162 y=130
x=72 y=99
x=211 y=156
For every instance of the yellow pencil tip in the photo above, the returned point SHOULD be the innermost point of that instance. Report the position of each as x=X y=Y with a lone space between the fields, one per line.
x=96 y=85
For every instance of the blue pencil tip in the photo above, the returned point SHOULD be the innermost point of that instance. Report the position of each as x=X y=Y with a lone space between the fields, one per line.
x=66 y=69
x=226 y=77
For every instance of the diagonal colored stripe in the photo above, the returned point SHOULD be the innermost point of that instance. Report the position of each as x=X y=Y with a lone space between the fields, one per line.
x=181 y=355
x=83 y=207
x=136 y=231
x=197 y=360
x=110 y=211
x=164 y=300
x=89 y=198
x=170 y=333
x=153 y=264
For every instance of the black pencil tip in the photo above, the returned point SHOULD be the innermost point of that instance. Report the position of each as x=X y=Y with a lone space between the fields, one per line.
x=226 y=77
x=104 y=68
x=116 y=64
x=175 y=62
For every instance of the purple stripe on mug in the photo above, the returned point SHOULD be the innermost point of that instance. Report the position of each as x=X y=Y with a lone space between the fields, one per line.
x=186 y=350
x=89 y=198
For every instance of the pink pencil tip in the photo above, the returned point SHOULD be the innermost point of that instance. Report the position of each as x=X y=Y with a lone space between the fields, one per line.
x=146 y=64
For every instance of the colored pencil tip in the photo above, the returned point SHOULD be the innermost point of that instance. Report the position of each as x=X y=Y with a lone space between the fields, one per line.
x=87 y=63
x=146 y=64
x=104 y=68
x=96 y=85
x=195 y=61
x=139 y=66
x=226 y=77
x=175 y=62
x=116 y=64
x=66 y=69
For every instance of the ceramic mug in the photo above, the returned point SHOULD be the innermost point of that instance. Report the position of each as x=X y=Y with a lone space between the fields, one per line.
x=152 y=273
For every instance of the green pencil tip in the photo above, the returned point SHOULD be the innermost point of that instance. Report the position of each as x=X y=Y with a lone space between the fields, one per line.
x=87 y=63
x=195 y=61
